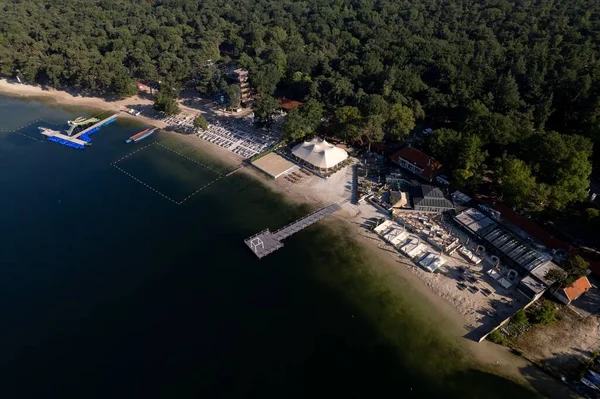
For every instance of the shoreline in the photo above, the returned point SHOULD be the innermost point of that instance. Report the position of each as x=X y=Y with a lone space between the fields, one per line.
x=485 y=356
x=64 y=98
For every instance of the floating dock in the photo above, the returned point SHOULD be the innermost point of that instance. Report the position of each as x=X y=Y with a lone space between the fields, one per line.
x=95 y=127
x=79 y=140
x=63 y=139
x=266 y=242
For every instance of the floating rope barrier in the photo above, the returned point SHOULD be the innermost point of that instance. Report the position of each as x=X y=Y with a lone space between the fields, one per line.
x=134 y=152
x=220 y=176
x=200 y=189
x=36 y=121
x=29 y=137
x=150 y=187
x=188 y=158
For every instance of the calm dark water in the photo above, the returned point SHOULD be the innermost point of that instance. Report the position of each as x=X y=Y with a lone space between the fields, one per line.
x=109 y=290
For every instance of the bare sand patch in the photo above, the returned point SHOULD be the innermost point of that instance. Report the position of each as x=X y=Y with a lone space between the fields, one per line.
x=568 y=343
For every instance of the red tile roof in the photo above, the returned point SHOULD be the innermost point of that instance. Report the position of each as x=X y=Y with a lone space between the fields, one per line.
x=288 y=104
x=579 y=287
x=430 y=166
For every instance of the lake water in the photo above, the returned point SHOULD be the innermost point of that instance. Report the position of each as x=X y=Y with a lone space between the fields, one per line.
x=109 y=289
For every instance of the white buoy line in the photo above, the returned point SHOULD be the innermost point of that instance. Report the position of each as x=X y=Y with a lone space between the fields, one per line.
x=157 y=191
x=18 y=130
x=150 y=187
x=188 y=158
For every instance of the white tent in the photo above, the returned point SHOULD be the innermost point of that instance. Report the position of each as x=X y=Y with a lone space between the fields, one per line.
x=395 y=236
x=432 y=262
x=319 y=153
x=417 y=251
x=383 y=227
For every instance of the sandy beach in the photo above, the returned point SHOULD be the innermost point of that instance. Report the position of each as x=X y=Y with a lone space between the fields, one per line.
x=317 y=192
x=486 y=356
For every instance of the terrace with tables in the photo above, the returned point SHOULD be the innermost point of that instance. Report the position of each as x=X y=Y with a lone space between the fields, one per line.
x=465 y=275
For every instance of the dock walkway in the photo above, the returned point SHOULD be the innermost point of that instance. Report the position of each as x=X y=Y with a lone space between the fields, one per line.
x=97 y=125
x=50 y=133
x=79 y=140
x=266 y=242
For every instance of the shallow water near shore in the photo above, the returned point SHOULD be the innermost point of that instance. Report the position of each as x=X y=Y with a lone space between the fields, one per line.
x=125 y=275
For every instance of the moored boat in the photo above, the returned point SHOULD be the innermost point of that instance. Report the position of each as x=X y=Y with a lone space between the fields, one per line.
x=141 y=135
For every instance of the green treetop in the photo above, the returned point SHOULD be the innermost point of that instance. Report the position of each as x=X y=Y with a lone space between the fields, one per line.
x=166 y=103
x=401 y=121
x=303 y=120
x=264 y=109
x=201 y=123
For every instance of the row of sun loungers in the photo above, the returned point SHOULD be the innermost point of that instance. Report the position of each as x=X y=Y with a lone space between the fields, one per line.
x=182 y=123
x=246 y=142
x=239 y=136
x=295 y=177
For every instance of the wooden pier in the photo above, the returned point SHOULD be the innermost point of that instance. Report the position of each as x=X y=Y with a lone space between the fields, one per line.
x=266 y=242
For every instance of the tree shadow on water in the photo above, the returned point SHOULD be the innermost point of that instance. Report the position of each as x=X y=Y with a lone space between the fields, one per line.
x=493 y=386
x=474 y=383
x=338 y=369
x=547 y=385
x=392 y=346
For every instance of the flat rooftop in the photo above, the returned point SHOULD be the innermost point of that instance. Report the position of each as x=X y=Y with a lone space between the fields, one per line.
x=533 y=284
x=474 y=220
x=274 y=165
x=541 y=271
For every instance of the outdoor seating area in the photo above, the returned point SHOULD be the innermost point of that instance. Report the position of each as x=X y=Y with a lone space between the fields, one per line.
x=432 y=228
x=183 y=122
x=239 y=137
x=410 y=245
x=458 y=269
x=298 y=176
x=471 y=281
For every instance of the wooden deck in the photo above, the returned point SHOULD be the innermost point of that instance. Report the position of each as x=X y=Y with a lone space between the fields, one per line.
x=266 y=242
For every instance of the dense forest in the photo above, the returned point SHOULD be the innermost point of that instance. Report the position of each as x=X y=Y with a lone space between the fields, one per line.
x=511 y=87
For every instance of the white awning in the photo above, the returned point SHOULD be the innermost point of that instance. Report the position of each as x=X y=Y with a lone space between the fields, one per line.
x=320 y=153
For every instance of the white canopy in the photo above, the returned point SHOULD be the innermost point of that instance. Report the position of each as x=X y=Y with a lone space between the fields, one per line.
x=320 y=153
